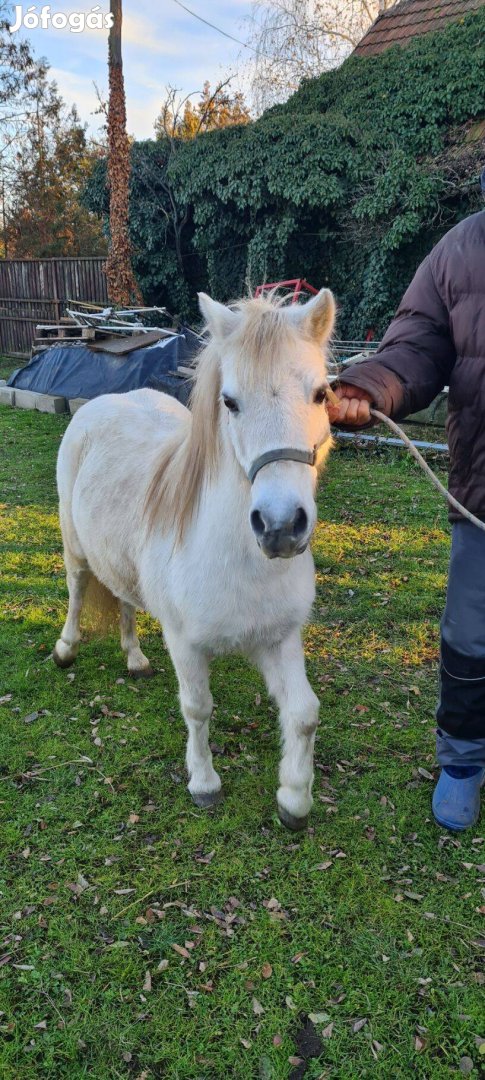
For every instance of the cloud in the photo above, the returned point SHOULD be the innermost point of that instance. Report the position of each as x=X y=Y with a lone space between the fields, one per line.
x=140 y=31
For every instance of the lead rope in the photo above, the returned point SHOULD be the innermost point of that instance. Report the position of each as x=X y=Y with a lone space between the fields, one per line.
x=425 y=467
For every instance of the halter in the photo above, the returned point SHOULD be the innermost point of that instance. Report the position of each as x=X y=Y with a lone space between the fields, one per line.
x=287 y=453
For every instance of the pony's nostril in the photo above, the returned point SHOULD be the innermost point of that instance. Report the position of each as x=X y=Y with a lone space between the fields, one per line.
x=300 y=523
x=257 y=523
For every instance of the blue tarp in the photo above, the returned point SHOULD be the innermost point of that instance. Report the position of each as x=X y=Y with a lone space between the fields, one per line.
x=74 y=371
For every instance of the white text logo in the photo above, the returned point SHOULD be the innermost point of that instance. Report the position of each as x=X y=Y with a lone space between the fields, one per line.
x=75 y=21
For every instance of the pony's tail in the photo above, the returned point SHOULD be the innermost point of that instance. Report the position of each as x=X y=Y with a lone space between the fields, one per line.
x=100 y=610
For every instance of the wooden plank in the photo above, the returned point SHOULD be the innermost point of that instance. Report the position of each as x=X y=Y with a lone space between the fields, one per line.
x=186 y=371
x=120 y=346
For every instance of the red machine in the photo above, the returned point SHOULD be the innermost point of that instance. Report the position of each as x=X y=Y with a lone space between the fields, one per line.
x=298 y=285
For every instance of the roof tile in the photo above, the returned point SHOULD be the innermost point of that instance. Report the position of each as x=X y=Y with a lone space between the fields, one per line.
x=408 y=18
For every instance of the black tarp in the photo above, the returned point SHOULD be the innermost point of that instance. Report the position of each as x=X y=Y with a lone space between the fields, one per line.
x=73 y=371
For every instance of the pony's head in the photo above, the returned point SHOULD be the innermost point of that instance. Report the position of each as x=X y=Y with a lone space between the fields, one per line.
x=269 y=376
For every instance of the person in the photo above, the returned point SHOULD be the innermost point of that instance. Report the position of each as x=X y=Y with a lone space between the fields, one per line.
x=437 y=339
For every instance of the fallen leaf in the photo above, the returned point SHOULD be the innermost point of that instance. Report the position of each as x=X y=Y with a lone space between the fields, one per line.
x=323 y=865
x=419 y=1044
x=327 y=1031
x=277 y=1040
x=295 y=1060
x=466 y=1066
x=205 y=859
x=425 y=774
x=358 y=1024
x=266 y=971
x=257 y=1007
x=181 y=951
x=246 y=1043
x=147 y=985
x=318 y=1018
x=42 y=1026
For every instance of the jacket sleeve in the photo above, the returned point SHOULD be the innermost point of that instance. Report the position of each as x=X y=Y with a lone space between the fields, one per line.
x=416 y=356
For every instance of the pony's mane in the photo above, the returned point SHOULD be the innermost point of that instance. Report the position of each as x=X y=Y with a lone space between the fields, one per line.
x=191 y=458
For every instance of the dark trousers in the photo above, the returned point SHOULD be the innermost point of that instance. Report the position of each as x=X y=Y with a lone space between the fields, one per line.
x=461 y=710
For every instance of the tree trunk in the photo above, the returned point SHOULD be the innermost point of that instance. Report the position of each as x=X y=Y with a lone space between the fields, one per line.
x=122 y=287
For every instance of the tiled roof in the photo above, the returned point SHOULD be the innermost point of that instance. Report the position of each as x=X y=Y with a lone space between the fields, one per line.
x=407 y=19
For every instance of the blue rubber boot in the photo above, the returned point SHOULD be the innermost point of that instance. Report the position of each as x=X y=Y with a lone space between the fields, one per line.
x=456 y=797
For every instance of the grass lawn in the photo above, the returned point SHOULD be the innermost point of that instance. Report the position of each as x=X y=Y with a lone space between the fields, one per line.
x=8 y=365
x=143 y=938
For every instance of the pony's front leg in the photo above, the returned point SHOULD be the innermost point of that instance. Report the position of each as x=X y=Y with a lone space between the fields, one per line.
x=196 y=703
x=283 y=667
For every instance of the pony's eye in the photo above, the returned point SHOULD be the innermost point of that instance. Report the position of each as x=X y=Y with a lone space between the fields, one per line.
x=320 y=395
x=230 y=404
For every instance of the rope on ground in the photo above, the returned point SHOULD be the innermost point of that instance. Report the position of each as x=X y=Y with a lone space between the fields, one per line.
x=426 y=469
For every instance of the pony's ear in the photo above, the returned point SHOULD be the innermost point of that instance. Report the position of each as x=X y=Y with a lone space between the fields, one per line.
x=220 y=319
x=317 y=317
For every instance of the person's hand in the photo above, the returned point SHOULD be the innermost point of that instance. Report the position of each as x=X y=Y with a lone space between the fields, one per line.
x=353 y=408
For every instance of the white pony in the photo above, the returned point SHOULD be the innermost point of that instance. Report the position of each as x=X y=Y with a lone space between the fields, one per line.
x=203 y=518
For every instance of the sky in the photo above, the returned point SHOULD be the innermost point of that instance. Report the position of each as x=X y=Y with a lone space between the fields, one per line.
x=162 y=45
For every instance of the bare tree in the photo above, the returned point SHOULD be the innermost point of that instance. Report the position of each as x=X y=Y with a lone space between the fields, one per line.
x=296 y=39
x=122 y=287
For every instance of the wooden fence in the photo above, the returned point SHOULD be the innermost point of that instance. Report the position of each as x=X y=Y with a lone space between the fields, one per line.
x=39 y=290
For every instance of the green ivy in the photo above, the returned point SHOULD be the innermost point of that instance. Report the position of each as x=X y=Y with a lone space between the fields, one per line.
x=349 y=183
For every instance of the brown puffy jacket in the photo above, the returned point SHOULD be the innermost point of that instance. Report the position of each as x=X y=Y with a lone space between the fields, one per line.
x=437 y=339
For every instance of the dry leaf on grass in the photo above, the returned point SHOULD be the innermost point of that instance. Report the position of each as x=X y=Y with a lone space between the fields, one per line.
x=181 y=951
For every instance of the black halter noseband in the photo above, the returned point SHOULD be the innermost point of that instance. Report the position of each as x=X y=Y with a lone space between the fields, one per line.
x=287 y=453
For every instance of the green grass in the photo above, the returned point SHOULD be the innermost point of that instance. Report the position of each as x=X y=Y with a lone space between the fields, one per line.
x=93 y=803
x=9 y=364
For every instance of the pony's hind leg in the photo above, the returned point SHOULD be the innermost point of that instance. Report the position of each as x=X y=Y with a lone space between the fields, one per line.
x=283 y=667
x=196 y=702
x=138 y=665
x=67 y=646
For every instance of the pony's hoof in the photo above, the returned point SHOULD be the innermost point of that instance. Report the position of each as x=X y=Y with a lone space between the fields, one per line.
x=205 y=799
x=143 y=673
x=296 y=824
x=62 y=661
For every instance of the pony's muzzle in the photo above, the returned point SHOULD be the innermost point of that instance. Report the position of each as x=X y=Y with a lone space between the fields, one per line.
x=281 y=540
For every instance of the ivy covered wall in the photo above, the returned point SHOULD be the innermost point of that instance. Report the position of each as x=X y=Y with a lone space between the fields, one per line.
x=349 y=183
